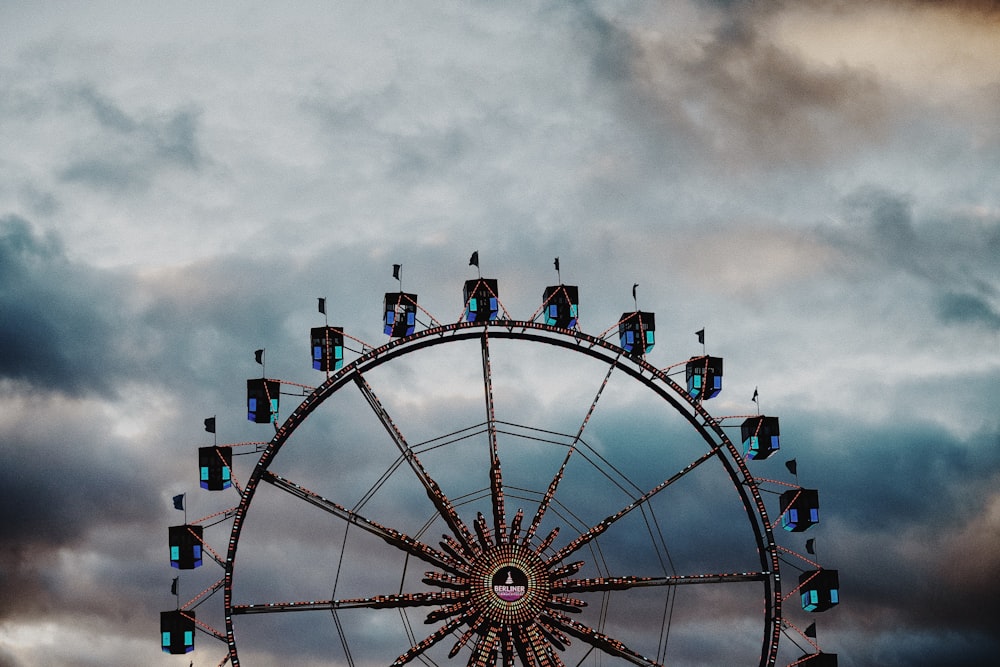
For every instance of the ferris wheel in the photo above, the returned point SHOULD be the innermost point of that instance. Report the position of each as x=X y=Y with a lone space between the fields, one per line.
x=501 y=491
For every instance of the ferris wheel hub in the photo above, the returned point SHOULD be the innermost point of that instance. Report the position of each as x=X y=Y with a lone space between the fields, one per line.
x=510 y=584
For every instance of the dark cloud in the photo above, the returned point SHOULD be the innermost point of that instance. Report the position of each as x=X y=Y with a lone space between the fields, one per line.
x=60 y=330
x=987 y=8
x=902 y=507
x=743 y=100
x=968 y=308
x=67 y=486
x=80 y=331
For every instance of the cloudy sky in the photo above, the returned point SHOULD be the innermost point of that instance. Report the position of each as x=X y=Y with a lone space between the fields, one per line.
x=816 y=184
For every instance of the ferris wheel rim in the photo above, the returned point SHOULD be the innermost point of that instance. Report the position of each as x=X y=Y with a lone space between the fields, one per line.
x=604 y=351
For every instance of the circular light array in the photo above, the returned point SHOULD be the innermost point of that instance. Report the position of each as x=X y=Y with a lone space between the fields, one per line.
x=509 y=584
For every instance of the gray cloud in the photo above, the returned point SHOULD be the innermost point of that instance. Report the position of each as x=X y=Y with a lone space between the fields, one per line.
x=179 y=190
x=126 y=151
x=952 y=256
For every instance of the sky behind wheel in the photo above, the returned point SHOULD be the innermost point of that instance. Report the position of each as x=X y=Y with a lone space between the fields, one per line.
x=814 y=187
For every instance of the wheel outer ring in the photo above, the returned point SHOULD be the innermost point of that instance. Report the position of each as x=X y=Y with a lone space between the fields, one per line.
x=654 y=378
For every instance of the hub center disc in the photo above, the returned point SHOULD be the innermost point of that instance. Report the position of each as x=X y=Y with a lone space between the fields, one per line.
x=510 y=584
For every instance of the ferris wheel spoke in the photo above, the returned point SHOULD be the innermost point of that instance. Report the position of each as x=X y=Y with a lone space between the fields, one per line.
x=485 y=650
x=596 y=530
x=496 y=477
x=507 y=648
x=433 y=490
x=599 y=584
x=598 y=640
x=392 y=536
x=432 y=639
x=395 y=601
x=554 y=636
x=540 y=647
x=550 y=492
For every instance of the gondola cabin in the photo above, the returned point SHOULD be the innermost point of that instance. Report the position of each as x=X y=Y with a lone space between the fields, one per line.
x=799 y=509
x=177 y=631
x=760 y=437
x=327 y=345
x=399 y=314
x=560 y=306
x=819 y=590
x=185 y=546
x=481 y=302
x=215 y=467
x=817 y=660
x=262 y=400
x=704 y=377
x=637 y=332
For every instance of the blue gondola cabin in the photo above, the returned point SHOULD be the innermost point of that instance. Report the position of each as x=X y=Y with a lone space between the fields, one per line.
x=819 y=590
x=481 y=300
x=760 y=437
x=327 y=345
x=185 y=546
x=799 y=509
x=262 y=400
x=399 y=314
x=215 y=467
x=177 y=631
x=561 y=306
x=637 y=332
x=704 y=377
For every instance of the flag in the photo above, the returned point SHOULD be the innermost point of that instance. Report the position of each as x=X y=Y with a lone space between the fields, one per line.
x=322 y=305
x=754 y=399
x=810 y=544
x=701 y=336
x=259 y=356
x=210 y=424
x=179 y=502
x=557 y=263
x=474 y=260
x=633 y=290
x=395 y=270
x=792 y=466
x=173 y=587
x=811 y=630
